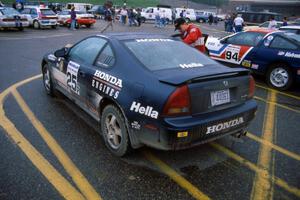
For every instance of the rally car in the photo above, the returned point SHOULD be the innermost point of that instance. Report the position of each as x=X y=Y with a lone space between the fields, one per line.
x=82 y=18
x=11 y=18
x=143 y=92
x=274 y=54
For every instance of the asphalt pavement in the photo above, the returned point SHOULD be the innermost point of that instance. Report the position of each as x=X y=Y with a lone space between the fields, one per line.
x=50 y=149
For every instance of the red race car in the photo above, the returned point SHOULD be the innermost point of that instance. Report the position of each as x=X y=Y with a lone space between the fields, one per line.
x=88 y=22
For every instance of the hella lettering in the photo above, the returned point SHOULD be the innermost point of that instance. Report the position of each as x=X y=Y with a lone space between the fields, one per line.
x=225 y=125
x=148 y=111
x=191 y=65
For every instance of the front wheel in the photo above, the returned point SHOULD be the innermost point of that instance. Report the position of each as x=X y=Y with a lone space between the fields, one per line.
x=279 y=76
x=88 y=25
x=114 y=131
x=54 y=26
x=36 y=25
x=47 y=80
x=143 y=19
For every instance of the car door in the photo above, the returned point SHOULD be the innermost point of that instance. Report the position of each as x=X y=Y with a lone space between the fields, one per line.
x=274 y=48
x=26 y=12
x=74 y=71
x=236 y=49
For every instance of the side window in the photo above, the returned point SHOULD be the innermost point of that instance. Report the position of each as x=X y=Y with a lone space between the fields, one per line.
x=33 y=12
x=246 y=38
x=87 y=50
x=26 y=11
x=281 y=43
x=106 y=57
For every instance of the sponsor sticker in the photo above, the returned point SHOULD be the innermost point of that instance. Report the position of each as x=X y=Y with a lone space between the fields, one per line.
x=232 y=54
x=136 y=125
x=107 y=84
x=254 y=66
x=144 y=110
x=154 y=40
x=246 y=63
x=72 y=72
x=289 y=54
x=225 y=125
x=191 y=65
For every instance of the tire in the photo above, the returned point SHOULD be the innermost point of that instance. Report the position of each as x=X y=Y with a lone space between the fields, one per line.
x=47 y=80
x=88 y=25
x=114 y=131
x=21 y=28
x=36 y=25
x=187 y=20
x=54 y=26
x=143 y=19
x=201 y=21
x=279 y=76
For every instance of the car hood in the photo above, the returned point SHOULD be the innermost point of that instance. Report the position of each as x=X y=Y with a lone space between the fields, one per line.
x=178 y=76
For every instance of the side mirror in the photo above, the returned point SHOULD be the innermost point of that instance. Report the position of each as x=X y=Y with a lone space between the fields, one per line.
x=61 y=52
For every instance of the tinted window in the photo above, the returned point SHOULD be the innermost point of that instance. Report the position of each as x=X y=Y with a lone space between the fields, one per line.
x=26 y=11
x=281 y=43
x=106 y=57
x=246 y=38
x=265 y=25
x=33 y=12
x=87 y=50
x=157 y=55
x=47 y=12
x=65 y=12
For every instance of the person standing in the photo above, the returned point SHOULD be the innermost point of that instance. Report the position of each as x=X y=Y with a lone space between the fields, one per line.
x=157 y=17
x=210 y=19
x=162 y=18
x=191 y=34
x=139 y=16
x=108 y=19
x=73 y=18
x=284 y=21
x=272 y=24
x=173 y=17
x=123 y=15
x=238 y=23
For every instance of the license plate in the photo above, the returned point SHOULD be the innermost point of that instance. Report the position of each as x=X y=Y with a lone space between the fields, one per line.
x=220 y=97
x=45 y=21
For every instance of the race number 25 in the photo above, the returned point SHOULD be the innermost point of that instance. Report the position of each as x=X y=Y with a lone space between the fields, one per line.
x=72 y=72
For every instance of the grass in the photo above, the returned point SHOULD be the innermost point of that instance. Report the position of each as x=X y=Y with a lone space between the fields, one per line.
x=130 y=3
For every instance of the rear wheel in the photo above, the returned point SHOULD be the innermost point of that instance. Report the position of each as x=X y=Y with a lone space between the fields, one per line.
x=88 y=25
x=143 y=19
x=187 y=20
x=21 y=28
x=36 y=25
x=47 y=80
x=279 y=76
x=114 y=131
x=54 y=26
x=201 y=20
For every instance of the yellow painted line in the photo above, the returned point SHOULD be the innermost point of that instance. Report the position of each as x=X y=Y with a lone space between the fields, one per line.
x=279 y=92
x=262 y=186
x=258 y=169
x=277 y=104
x=52 y=175
x=273 y=146
x=181 y=181
x=82 y=183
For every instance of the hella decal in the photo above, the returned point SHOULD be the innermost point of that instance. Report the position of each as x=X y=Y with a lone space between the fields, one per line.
x=148 y=110
x=136 y=125
x=288 y=54
x=225 y=125
x=191 y=65
x=107 y=84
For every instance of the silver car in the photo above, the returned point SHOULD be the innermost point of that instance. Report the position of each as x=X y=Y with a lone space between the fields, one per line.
x=11 y=18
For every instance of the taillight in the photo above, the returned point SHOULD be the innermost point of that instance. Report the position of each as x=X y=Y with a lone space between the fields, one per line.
x=179 y=102
x=251 y=87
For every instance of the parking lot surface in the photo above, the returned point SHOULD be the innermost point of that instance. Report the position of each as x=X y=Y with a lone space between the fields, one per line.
x=50 y=149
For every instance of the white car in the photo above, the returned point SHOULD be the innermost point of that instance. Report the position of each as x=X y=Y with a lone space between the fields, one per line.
x=11 y=18
x=291 y=29
x=40 y=17
x=149 y=13
x=64 y=15
x=190 y=14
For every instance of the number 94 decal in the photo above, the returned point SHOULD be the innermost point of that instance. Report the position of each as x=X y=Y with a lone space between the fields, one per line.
x=72 y=72
x=232 y=54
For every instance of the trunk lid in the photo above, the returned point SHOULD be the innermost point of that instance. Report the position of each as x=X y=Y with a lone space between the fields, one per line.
x=210 y=84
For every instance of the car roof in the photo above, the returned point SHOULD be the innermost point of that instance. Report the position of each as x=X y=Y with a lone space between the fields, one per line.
x=290 y=27
x=133 y=36
x=261 y=30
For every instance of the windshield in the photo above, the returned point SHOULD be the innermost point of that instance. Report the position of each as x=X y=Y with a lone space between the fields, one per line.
x=64 y=12
x=47 y=12
x=158 y=54
x=9 y=11
x=95 y=8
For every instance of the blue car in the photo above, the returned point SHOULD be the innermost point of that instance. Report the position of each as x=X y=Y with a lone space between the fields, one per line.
x=274 y=54
x=147 y=89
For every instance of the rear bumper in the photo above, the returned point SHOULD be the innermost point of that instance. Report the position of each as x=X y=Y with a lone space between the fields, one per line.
x=200 y=129
x=48 y=22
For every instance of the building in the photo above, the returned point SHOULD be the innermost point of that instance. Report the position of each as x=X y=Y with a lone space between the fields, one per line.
x=285 y=7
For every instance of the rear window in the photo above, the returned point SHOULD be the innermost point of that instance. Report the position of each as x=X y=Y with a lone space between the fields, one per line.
x=159 y=54
x=294 y=37
x=47 y=12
